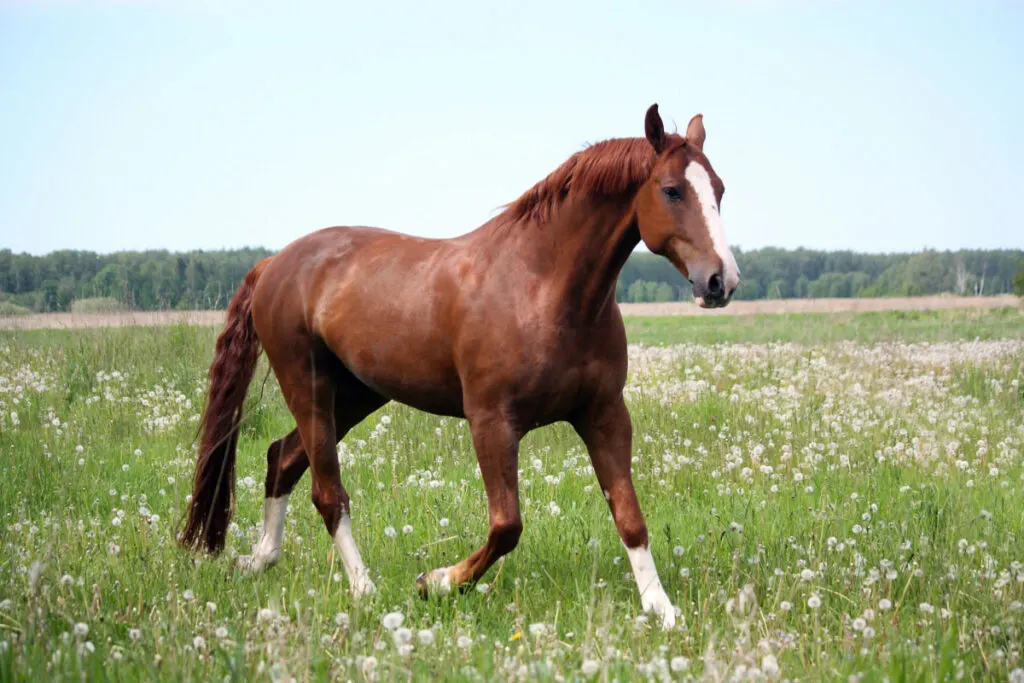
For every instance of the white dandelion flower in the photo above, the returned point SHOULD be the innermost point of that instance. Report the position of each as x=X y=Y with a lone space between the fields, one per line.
x=679 y=664
x=392 y=620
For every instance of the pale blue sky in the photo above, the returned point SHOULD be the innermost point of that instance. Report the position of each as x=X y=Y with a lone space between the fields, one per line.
x=876 y=126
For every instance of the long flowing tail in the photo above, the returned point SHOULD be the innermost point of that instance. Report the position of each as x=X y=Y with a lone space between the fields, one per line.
x=238 y=349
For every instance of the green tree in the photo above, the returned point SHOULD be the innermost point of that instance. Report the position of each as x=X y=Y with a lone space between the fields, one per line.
x=778 y=289
x=48 y=296
x=859 y=281
x=664 y=292
x=1018 y=280
x=803 y=284
x=637 y=292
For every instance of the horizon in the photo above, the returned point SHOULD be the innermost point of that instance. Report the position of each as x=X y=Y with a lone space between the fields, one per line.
x=639 y=250
x=145 y=126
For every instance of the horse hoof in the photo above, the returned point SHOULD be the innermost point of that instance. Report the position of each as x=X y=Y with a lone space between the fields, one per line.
x=663 y=611
x=363 y=587
x=436 y=581
x=245 y=564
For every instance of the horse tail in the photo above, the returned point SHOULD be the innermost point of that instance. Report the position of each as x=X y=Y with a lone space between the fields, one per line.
x=234 y=363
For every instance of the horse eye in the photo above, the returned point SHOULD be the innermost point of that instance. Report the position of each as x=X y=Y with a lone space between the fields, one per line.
x=672 y=193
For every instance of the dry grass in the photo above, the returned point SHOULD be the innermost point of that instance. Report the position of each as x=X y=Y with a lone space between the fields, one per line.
x=82 y=320
x=921 y=303
x=150 y=318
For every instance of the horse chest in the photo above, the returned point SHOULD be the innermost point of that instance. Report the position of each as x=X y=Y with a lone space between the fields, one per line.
x=554 y=380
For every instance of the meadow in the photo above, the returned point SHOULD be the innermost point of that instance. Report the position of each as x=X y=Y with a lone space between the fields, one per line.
x=829 y=497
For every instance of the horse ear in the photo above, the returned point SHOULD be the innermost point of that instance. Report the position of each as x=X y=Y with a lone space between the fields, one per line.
x=655 y=129
x=695 y=132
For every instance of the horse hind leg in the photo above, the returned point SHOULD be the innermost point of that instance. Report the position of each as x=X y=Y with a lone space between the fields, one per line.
x=352 y=404
x=326 y=401
x=286 y=463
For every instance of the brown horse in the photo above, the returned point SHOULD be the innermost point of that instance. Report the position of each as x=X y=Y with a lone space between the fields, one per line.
x=512 y=326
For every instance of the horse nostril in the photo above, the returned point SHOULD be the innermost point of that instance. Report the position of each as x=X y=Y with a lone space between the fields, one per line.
x=715 y=287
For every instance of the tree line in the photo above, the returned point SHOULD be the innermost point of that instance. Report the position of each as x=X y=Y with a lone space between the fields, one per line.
x=145 y=281
x=773 y=273
x=164 y=280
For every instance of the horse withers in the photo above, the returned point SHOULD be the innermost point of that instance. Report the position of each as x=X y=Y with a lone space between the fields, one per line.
x=512 y=326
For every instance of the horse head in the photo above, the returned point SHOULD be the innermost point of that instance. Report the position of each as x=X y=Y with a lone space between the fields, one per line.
x=678 y=211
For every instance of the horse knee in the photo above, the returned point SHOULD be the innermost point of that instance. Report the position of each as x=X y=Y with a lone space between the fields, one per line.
x=331 y=504
x=633 y=533
x=286 y=463
x=506 y=535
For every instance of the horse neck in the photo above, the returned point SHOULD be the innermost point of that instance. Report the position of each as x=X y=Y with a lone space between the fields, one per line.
x=580 y=251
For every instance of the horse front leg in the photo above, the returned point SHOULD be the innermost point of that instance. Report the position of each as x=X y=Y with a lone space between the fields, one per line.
x=607 y=431
x=497 y=451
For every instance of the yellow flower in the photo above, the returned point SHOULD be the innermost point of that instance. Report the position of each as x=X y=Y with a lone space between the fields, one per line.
x=517 y=635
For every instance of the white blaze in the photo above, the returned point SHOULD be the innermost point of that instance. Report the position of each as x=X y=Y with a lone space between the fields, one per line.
x=699 y=179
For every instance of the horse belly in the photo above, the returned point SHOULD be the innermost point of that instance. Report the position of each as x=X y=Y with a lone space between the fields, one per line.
x=410 y=366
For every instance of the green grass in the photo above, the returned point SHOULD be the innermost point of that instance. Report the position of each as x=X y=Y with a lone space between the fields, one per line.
x=842 y=446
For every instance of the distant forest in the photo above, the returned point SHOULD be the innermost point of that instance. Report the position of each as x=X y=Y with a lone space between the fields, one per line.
x=162 y=280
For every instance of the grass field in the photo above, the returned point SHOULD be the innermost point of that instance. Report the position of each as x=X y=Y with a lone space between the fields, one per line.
x=828 y=496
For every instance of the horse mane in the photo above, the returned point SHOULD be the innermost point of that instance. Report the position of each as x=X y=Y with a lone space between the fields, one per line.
x=606 y=168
